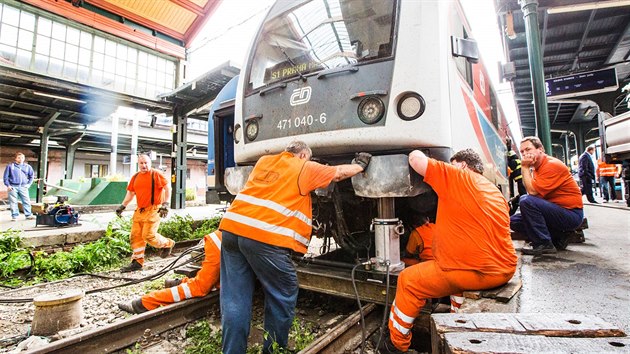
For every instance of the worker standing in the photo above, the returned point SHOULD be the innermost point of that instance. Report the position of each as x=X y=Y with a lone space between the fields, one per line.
x=177 y=290
x=268 y=220
x=515 y=176
x=472 y=246
x=152 y=192
x=553 y=202
x=607 y=172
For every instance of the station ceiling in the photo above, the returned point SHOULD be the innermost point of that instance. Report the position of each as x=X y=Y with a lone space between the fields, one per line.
x=572 y=42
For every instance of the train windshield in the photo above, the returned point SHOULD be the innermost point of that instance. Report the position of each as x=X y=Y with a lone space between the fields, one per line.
x=320 y=35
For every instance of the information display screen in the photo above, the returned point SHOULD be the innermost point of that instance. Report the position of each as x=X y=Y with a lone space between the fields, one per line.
x=582 y=84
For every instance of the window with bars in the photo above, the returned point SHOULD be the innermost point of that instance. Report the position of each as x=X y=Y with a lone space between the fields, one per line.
x=44 y=45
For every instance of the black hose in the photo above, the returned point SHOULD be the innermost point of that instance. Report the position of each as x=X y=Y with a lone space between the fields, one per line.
x=129 y=281
x=383 y=324
x=356 y=293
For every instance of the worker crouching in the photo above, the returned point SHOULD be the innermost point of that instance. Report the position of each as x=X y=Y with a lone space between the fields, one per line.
x=206 y=279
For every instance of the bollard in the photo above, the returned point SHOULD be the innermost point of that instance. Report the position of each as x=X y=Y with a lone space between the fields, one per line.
x=57 y=311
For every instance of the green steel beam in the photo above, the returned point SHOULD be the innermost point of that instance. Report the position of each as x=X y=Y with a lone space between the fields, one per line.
x=536 y=69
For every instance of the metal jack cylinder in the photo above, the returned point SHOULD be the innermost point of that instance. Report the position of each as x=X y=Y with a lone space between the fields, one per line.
x=387 y=240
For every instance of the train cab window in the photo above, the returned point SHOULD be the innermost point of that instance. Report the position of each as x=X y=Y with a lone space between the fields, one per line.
x=463 y=65
x=319 y=35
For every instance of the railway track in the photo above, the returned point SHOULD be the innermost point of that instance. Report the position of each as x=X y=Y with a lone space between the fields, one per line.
x=348 y=335
x=125 y=333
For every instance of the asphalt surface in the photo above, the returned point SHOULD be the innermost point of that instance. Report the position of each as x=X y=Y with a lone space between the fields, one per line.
x=588 y=278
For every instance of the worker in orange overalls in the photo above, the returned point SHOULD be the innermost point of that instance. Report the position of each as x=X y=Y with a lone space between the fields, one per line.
x=152 y=192
x=178 y=290
x=472 y=245
x=270 y=218
x=607 y=172
x=418 y=247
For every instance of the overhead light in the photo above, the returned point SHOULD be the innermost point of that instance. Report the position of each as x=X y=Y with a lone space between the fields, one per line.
x=588 y=6
x=37 y=93
x=10 y=135
x=93 y=154
x=39 y=142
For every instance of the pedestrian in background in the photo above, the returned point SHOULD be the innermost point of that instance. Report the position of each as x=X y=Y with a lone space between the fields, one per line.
x=607 y=173
x=553 y=203
x=472 y=248
x=152 y=192
x=269 y=220
x=586 y=172
x=18 y=177
x=515 y=176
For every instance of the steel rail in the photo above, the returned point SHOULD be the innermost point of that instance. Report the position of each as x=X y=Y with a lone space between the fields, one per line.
x=346 y=336
x=125 y=333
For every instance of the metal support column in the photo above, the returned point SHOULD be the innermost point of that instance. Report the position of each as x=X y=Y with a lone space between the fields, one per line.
x=70 y=152
x=178 y=160
x=113 y=156
x=530 y=16
x=43 y=154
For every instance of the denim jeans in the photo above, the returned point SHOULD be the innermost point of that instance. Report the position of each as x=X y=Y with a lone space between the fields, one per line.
x=539 y=218
x=607 y=183
x=20 y=192
x=242 y=261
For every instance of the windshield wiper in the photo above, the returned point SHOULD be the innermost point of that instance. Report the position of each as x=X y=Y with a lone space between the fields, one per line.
x=292 y=63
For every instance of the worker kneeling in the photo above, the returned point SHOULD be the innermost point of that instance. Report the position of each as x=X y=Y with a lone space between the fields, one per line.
x=206 y=279
x=472 y=248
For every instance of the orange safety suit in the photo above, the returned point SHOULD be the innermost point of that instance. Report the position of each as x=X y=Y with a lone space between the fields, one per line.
x=606 y=169
x=206 y=279
x=472 y=246
x=146 y=221
x=419 y=245
x=275 y=205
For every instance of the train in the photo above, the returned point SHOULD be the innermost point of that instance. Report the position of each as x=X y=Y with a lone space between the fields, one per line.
x=344 y=76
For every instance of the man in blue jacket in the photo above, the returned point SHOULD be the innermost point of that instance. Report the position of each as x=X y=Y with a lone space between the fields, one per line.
x=18 y=176
x=586 y=172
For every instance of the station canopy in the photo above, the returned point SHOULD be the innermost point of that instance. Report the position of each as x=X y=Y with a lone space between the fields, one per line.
x=577 y=37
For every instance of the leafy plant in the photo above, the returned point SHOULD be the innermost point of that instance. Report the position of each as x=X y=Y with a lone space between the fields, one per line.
x=177 y=228
x=206 y=227
x=203 y=340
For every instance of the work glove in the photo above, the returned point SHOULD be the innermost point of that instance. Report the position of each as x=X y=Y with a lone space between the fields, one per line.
x=120 y=210
x=362 y=159
x=163 y=211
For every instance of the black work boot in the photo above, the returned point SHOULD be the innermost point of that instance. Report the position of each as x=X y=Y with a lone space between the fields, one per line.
x=134 y=306
x=545 y=248
x=387 y=347
x=169 y=283
x=135 y=265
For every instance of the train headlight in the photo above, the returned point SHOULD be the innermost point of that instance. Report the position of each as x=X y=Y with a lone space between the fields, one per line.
x=411 y=106
x=252 y=129
x=238 y=133
x=371 y=110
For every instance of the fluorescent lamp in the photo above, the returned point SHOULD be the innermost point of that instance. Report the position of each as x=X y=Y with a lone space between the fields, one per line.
x=10 y=135
x=57 y=97
x=588 y=6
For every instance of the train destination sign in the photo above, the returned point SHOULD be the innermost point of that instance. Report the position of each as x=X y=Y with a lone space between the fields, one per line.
x=582 y=84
